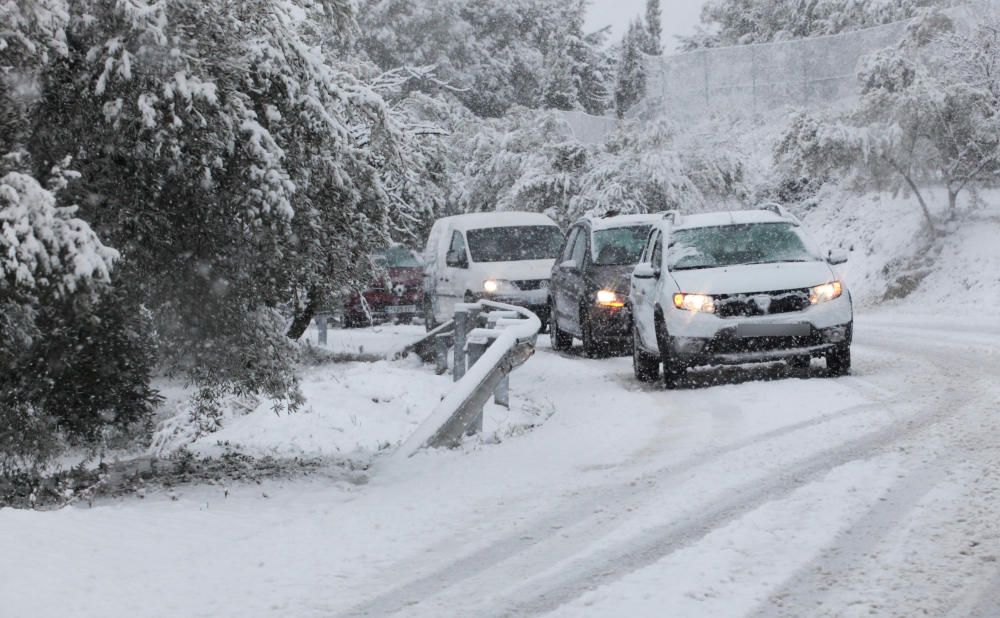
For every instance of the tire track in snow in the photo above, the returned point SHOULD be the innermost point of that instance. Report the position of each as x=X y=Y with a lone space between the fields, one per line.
x=538 y=535
x=666 y=539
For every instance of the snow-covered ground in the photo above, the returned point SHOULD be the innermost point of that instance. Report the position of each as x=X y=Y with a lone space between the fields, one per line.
x=761 y=492
x=749 y=492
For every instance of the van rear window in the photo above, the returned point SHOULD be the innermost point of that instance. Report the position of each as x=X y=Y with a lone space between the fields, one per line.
x=515 y=243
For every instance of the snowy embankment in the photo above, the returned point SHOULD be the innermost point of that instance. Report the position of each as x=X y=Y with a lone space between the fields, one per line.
x=895 y=265
x=352 y=410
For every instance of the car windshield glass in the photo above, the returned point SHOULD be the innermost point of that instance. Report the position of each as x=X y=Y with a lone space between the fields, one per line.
x=511 y=244
x=729 y=245
x=620 y=246
x=397 y=257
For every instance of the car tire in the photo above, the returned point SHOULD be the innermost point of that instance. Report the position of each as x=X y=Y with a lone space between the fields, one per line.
x=592 y=347
x=561 y=340
x=673 y=370
x=646 y=366
x=838 y=360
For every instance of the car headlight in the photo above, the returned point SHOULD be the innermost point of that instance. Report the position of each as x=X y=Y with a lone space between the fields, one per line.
x=698 y=303
x=825 y=292
x=492 y=286
x=608 y=298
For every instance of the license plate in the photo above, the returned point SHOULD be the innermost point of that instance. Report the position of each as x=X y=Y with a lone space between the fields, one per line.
x=773 y=330
x=401 y=309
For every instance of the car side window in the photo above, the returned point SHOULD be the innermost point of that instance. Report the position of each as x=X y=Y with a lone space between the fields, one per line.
x=647 y=251
x=656 y=259
x=580 y=248
x=457 y=243
x=567 y=252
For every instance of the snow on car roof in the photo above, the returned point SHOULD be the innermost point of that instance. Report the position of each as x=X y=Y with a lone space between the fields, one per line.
x=729 y=217
x=477 y=220
x=604 y=223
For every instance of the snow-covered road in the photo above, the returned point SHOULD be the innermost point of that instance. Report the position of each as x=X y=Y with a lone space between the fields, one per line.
x=751 y=492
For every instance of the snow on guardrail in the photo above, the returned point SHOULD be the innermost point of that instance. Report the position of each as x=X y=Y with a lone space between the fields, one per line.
x=513 y=342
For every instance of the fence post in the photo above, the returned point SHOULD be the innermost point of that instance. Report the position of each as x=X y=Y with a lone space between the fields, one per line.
x=321 y=328
x=476 y=350
x=501 y=396
x=441 y=354
x=704 y=62
x=461 y=332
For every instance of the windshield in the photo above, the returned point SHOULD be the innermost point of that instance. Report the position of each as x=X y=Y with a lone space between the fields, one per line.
x=729 y=245
x=396 y=257
x=512 y=244
x=620 y=246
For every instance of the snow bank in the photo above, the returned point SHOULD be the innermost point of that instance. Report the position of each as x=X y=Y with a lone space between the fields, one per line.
x=893 y=260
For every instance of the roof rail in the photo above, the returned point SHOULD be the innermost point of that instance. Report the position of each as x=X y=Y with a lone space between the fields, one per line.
x=779 y=210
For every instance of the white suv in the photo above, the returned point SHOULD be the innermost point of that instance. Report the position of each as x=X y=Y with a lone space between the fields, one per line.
x=733 y=288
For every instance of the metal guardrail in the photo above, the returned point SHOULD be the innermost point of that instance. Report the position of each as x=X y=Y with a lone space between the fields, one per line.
x=484 y=358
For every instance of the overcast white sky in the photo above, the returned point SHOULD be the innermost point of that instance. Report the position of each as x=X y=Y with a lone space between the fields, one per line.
x=679 y=17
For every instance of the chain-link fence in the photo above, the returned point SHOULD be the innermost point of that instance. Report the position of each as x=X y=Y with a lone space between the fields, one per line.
x=771 y=77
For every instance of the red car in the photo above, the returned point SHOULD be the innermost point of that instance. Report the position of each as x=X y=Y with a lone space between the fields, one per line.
x=396 y=297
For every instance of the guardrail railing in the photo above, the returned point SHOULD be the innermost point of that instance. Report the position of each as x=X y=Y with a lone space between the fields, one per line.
x=490 y=339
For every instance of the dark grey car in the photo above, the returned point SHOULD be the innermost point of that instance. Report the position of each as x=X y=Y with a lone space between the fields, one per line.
x=590 y=282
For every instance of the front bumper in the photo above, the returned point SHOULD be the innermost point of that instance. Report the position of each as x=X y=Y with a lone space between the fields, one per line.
x=611 y=323
x=704 y=339
x=536 y=301
x=726 y=348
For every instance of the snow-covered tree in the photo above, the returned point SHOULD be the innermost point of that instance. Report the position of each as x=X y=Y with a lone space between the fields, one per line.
x=927 y=116
x=654 y=28
x=495 y=55
x=741 y=22
x=239 y=161
x=630 y=83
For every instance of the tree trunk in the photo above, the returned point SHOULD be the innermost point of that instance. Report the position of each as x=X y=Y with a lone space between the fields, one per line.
x=952 y=203
x=923 y=205
x=302 y=317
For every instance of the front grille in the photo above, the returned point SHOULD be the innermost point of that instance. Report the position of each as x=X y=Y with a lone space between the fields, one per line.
x=763 y=303
x=527 y=285
x=727 y=343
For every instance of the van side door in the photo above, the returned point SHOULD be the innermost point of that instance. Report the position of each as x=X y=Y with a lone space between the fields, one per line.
x=451 y=280
x=557 y=285
x=573 y=280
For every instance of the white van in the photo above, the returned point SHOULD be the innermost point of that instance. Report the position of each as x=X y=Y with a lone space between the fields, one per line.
x=503 y=256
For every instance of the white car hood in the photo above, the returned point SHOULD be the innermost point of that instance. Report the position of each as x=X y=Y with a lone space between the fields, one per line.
x=743 y=279
x=517 y=271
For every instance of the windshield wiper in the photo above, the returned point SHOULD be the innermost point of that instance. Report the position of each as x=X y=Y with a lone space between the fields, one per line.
x=702 y=267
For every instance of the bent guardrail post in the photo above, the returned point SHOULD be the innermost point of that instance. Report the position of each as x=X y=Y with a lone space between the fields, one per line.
x=424 y=347
x=501 y=396
x=513 y=343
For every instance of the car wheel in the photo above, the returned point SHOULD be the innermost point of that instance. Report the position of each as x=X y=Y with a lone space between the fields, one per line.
x=673 y=370
x=561 y=341
x=429 y=322
x=646 y=366
x=838 y=360
x=592 y=347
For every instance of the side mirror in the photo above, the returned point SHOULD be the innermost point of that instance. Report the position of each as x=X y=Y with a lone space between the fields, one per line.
x=456 y=259
x=835 y=257
x=645 y=271
x=568 y=265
